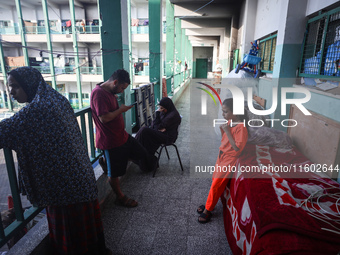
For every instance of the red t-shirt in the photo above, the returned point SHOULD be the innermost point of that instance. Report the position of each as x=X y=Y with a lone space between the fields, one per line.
x=111 y=134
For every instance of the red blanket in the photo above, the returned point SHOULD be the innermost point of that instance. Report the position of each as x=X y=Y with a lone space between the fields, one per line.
x=269 y=213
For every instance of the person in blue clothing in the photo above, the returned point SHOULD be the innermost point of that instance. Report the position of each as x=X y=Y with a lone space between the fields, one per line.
x=53 y=164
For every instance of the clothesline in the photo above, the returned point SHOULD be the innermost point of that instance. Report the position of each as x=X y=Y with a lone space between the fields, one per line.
x=139 y=22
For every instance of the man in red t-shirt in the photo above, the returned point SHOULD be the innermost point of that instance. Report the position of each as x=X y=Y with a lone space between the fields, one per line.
x=111 y=136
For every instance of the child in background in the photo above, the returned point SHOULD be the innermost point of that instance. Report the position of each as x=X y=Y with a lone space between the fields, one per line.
x=234 y=138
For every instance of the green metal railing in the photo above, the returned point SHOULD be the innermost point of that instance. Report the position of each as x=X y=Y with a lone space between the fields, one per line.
x=35 y=30
x=320 y=56
x=91 y=70
x=87 y=29
x=176 y=80
x=23 y=218
x=43 y=69
x=12 y=30
x=68 y=70
x=53 y=29
x=143 y=29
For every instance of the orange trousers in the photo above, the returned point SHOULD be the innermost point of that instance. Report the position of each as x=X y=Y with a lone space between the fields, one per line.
x=216 y=190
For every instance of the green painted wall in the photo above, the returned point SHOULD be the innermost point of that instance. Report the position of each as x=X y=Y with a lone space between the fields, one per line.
x=287 y=60
x=327 y=106
x=194 y=69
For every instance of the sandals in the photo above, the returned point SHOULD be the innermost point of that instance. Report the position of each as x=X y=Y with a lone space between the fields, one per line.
x=126 y=202
x=102 y=163
x=200 y=209
x=204 y=217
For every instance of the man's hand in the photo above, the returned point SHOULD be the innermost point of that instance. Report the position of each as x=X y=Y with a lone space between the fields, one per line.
x=112 y=115
x=162 y=130
x=125 y=108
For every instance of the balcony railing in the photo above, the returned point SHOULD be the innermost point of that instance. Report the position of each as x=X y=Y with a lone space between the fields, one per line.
x=65 y=70
x=143 y=29
x=84 y=117
x=10 y=30
x=92 y=29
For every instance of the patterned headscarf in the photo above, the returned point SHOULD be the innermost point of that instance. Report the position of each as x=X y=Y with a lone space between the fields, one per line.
x=30 y=79
x=54 y=166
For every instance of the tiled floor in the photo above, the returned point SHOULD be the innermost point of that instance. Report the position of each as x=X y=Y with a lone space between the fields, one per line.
x=165 y=221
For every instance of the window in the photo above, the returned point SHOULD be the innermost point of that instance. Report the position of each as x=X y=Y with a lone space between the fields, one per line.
x=267 y=53
x=321 y=46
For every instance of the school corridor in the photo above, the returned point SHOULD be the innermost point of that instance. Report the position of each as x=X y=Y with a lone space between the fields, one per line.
x=165 y=221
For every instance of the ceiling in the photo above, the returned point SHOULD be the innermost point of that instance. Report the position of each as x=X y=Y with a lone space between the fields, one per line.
x=207 y=19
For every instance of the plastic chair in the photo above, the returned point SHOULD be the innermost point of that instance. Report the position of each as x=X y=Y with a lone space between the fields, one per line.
x=167 y=153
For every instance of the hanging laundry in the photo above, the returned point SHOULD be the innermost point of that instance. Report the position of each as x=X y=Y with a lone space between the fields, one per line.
x=134 y=22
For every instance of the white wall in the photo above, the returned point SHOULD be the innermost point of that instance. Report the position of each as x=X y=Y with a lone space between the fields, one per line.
x=93 y=49
x=40 y=15
x=142 y=11
x=65 y=12
x=32 y=53
x=267 y=17
x=53 y=14
x=316 y=5
x=202 y=52
x=79 y=13
x=133 y=12
x=11 y=52
x=125 y=23
x=29 y=14
x=6 y=14
x=140 y=50
x=91 y=12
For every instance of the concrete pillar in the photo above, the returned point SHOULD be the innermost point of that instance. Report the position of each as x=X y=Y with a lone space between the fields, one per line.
x=115 y=44
x=155 y=45
x=178 y=51
x=75 y=49
x=288 y=50
x=49 y=43
x=3 y=70
x=22 y=32
x=170 y=43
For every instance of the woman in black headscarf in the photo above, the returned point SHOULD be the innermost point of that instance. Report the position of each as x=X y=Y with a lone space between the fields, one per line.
x=54 y=167
x=164 y=128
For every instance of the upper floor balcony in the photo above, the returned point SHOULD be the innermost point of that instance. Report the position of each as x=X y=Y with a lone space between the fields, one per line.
x=88 y=33
x=62 y=75
x=36 y=30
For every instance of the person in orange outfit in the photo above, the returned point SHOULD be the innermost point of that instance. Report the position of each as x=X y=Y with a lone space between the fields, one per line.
x=234 y=138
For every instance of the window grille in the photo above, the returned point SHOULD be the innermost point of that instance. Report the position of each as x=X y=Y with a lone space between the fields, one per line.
x=321 y=46
x=267 y=53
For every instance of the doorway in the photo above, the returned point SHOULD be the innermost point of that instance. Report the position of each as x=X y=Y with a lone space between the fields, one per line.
x=202 y=68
